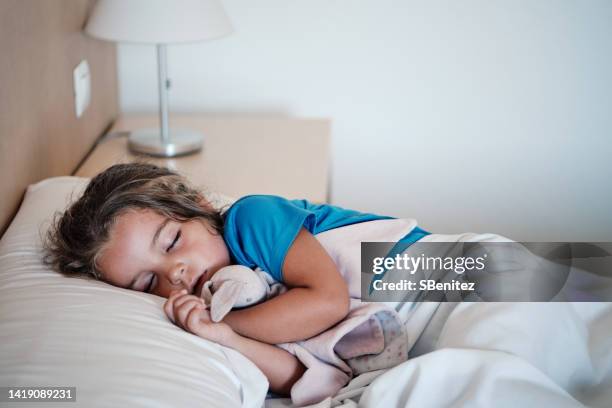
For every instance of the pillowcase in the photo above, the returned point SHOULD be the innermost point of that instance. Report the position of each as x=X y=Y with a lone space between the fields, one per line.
x=114 y=345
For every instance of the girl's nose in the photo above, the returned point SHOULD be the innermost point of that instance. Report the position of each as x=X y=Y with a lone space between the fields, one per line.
x=177 y=273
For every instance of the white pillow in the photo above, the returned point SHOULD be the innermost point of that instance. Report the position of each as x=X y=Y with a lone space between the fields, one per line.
x=114 y=345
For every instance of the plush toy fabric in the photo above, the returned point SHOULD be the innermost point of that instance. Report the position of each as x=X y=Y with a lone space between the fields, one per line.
x=370 y=338
x=238 y=286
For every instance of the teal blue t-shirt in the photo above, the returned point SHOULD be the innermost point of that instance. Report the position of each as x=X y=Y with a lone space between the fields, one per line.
x=259 y=229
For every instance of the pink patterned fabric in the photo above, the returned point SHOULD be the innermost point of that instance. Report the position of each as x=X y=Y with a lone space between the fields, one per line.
x=370 y=338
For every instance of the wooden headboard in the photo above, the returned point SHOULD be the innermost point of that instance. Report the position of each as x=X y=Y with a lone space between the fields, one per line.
x=41 y=42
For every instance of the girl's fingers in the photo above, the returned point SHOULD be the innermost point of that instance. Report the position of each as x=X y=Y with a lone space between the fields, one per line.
x=169 y=305
x=181 y=300
x=192 y=322
x=184 y=298
x=182 y=312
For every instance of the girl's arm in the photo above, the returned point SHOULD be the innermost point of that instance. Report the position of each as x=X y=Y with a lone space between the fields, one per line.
x=280 y=367
x=317 y=299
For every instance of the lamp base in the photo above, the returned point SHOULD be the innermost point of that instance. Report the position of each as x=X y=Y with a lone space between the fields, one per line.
x=181 y=142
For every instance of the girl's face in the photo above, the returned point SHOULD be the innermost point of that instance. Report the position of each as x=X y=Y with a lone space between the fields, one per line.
x=151 y=253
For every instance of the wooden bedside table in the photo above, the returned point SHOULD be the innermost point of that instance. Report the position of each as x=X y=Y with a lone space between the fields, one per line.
x=241 y=155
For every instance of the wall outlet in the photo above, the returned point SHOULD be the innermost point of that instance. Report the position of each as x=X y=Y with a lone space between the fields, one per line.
x=82 y=87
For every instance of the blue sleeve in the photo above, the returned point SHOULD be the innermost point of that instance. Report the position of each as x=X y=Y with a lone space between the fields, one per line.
x=259 y=230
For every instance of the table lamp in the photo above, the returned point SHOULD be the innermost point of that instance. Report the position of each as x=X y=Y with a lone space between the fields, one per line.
x=160 y=22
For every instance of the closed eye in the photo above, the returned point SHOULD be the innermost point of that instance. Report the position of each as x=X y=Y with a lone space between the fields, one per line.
x=150 y=285
x=176 y=238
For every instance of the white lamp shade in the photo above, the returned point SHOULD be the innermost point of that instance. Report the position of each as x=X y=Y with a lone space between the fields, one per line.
x=158 y=21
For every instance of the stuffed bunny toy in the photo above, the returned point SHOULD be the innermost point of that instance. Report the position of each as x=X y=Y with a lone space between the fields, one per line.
x=237 y=286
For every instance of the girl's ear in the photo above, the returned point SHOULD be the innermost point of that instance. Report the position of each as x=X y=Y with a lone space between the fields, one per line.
x=224 y=299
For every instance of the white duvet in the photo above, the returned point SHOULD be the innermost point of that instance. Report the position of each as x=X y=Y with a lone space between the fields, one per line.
x=493 y=355
x=500 y=355
x=508 y=354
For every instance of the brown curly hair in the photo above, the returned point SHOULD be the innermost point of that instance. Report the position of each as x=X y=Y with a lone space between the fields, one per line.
x=78 y=235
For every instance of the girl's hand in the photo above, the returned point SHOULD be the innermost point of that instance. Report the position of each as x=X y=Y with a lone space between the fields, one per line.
x=190 y=313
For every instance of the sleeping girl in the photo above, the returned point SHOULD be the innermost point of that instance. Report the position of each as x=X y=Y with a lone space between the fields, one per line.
x=143 y=227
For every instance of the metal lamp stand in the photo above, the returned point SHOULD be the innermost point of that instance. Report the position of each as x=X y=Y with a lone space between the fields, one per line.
x=164 y=142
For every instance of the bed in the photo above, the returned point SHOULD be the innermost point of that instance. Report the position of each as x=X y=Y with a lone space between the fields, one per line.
x=118 y=349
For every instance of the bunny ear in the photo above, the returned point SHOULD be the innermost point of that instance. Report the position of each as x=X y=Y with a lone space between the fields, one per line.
x=224 y=299
x=207 y=292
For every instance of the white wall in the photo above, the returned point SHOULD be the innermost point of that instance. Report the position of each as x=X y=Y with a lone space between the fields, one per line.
x=479 y=115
